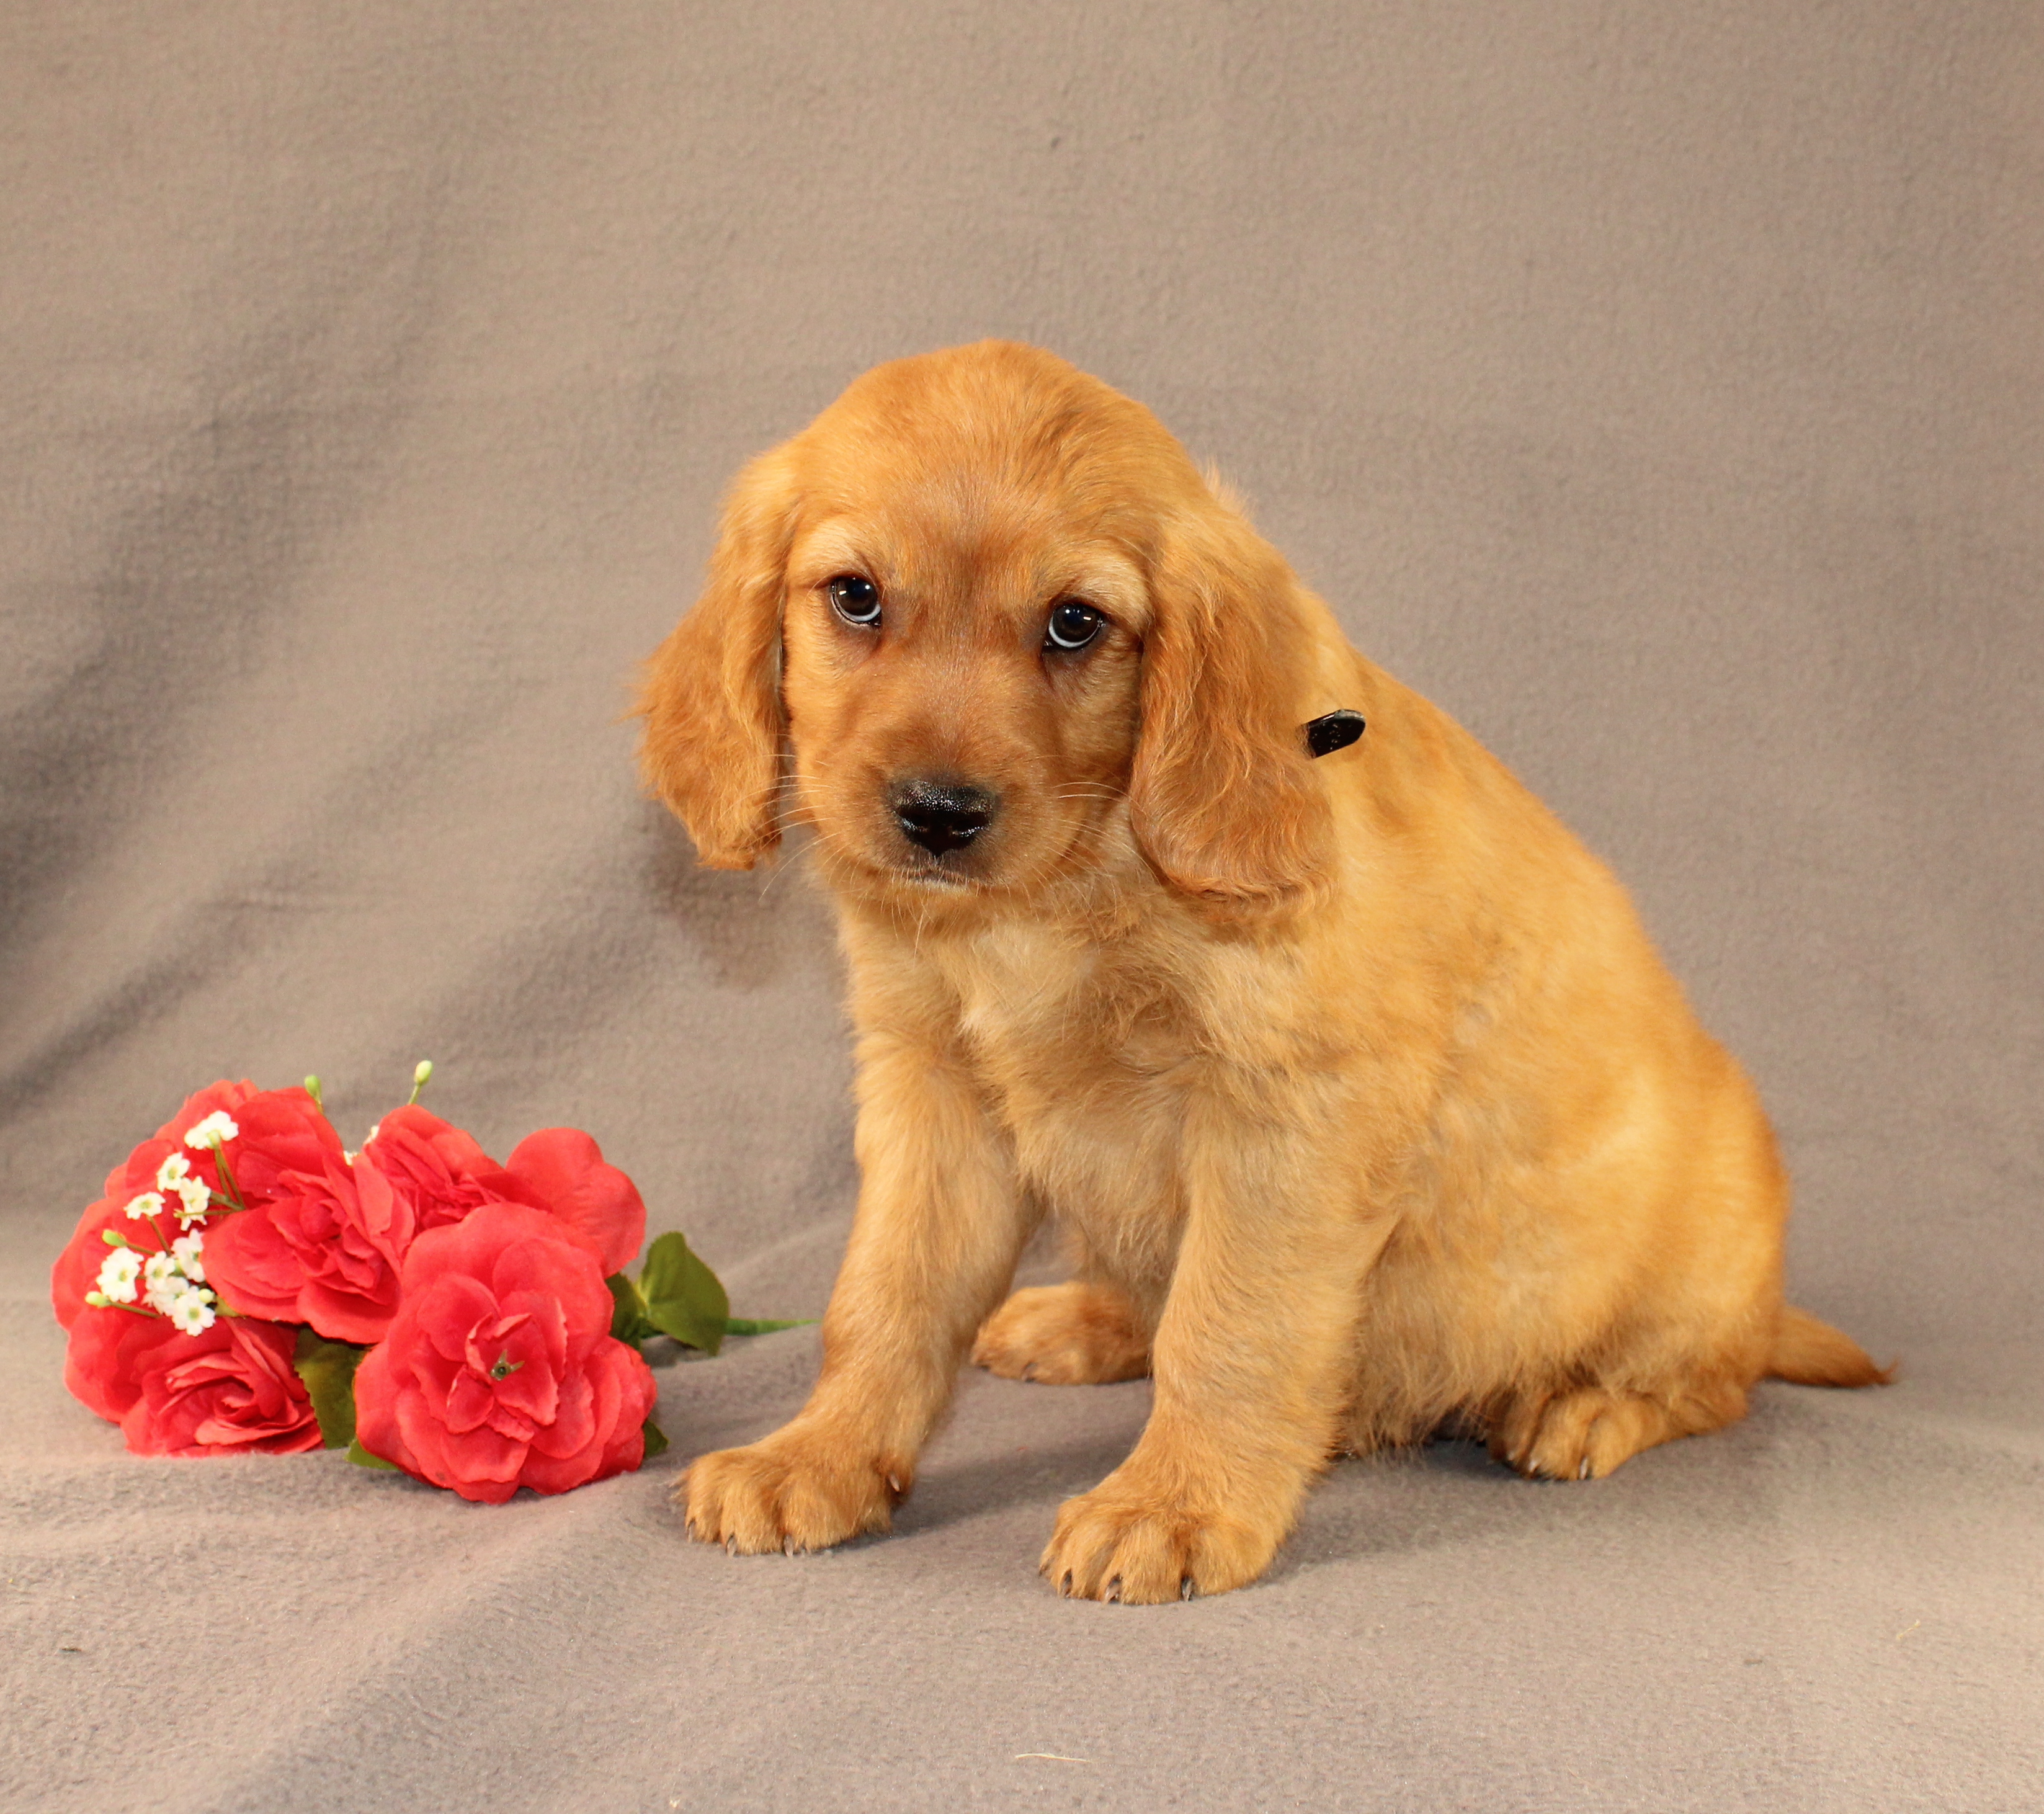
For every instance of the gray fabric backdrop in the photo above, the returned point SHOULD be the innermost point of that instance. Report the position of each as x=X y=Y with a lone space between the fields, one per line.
x=1656 y=387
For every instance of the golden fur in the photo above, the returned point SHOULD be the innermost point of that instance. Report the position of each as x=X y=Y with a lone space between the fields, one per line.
x=1362 y=1102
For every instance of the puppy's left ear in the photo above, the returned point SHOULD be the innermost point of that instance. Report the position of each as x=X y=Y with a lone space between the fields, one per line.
x=1224 y=800
x=710 y=696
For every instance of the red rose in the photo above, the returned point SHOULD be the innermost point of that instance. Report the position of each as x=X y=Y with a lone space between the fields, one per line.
x=281 y=1131
x=273 y=1131
x=308 y=1254
x=500 y=1370
x=438 y=1171
x=326 y=1246
x=176 y=1188
x=230 y=1389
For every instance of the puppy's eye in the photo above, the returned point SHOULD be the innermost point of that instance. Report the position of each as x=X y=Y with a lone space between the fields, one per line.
x=1072 y=625
x=856 y=599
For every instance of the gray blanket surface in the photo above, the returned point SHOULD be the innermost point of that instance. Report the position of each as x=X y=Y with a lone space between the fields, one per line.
x=1656 y=388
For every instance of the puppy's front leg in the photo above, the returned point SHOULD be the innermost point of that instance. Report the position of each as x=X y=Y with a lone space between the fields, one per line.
x=939 y=1226
x=1251 y=1362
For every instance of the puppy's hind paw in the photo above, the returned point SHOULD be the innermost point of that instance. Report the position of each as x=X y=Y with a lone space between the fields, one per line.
x=1589 y=1432
x=1075 y=1334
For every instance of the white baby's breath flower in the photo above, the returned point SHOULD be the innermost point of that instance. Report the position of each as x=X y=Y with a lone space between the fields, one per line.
x=195 y=1200
x=193 y=1311
x=117 y=1273
x=161 y=1281
x=219 y=1126
x=371 y=1135
x=149 y=1203
x=174 y=1168
x=186 y=1249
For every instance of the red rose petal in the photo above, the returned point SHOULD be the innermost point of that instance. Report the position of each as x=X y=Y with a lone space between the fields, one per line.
x=565 y=1168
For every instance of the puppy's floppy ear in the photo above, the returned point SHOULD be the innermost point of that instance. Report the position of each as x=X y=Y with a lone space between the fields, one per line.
x=711 y=694
x=1223 y=799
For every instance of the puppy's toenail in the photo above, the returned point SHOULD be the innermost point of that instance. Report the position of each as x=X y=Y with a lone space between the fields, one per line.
x=1583 y=1472
x=1113 y=1594
x=1186 y=1589
x=1065 y=1586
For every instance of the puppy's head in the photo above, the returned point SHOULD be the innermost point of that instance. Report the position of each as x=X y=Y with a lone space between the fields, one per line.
x=987 y=605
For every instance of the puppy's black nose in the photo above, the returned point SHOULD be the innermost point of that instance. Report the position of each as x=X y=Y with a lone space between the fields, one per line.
x=941 y=815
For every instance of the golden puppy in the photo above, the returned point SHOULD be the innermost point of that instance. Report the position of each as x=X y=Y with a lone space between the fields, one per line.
x=1362 y=1100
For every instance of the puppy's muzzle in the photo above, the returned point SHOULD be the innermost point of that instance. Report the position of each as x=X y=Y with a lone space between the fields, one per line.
x=942 y=816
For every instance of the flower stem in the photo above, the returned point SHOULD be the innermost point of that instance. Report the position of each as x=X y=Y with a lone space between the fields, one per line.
x=227 y=1174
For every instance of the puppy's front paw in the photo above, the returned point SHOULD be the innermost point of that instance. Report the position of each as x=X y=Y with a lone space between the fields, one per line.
x=799 y=1489
x=1119 y=1542
x=1075 y=1334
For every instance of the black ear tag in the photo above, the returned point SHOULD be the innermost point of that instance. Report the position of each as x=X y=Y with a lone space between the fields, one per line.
x=1336 y=731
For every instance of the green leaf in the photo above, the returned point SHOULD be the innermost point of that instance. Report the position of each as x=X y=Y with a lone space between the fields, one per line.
x=361 y=1458
x=763 y=1325
x=656 y=1439
x=683 y=1298
x=628 y=1322
x=328 y=1369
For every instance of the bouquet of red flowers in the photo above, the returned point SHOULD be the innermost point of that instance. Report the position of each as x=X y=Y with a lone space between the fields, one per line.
x=246 y=1284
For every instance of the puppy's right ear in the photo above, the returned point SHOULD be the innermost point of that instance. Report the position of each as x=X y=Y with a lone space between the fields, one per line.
x=711 y=694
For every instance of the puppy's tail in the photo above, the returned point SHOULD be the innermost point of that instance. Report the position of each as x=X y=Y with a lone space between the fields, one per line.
x=1812 y=1353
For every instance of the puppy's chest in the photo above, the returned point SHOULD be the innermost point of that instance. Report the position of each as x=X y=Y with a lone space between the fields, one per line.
x=1078 y=1046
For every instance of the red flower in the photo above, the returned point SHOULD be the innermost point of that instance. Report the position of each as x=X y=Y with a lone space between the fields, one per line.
x=327 y=1246
x=307 y=1255
x=282 y=1132
x=276 y=1131
x=273 y=1129
x=437 y=1171
x=230 y=1390
x=499 y=1371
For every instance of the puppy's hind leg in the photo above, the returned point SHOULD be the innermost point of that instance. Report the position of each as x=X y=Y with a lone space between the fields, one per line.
x=1074 y=1334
